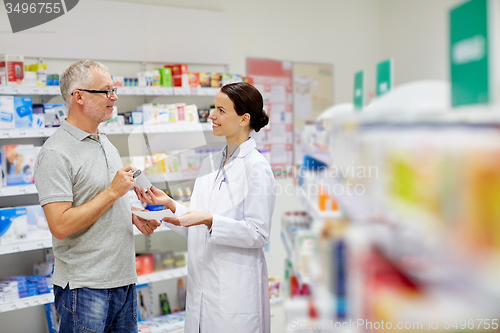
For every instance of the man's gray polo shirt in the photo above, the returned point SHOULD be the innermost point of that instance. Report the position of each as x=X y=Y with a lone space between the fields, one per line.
x=75 y=166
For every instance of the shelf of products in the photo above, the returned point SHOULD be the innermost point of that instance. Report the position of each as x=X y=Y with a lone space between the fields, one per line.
x=133 y=91
x=49 y=298
x=19 y=133
x=47 y=243
x=26 y=302
x=8 y=191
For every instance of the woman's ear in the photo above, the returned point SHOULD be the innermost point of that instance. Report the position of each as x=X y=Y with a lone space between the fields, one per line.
x=245 y=120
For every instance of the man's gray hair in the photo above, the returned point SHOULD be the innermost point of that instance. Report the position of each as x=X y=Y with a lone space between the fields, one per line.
x=78 y=75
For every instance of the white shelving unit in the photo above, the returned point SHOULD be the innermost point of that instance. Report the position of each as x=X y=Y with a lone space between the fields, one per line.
x=134 y=91
x=49 y=298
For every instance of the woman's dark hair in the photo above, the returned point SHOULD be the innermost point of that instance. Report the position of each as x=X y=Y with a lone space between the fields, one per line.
x=247 y=99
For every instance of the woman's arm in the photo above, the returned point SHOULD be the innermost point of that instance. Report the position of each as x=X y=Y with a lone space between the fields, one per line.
x=254 y=230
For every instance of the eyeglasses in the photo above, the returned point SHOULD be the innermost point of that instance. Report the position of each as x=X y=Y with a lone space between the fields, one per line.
x=109 y=93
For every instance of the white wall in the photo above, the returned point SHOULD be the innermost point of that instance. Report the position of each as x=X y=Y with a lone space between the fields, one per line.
x=416 y=34
x=345 y=33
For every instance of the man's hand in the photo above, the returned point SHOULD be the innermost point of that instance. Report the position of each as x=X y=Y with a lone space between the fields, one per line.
x=145 y=226
x=191 y=218
x=122 y=183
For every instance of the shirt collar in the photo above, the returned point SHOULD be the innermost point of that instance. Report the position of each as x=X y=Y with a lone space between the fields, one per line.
x=76 y=132
x=243 y=150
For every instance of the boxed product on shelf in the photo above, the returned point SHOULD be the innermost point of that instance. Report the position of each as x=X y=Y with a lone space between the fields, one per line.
x=52 y=317
x=29 y=77
x=166 y=76
x=215 y=80
x=173 y=113
x=23 y=117
x=54 y=113
x=194 y=80
x=11 y=69
x=164 y=114
x=53 y=79
x=13 y=225
x=155 y=164
x=144 y=302
x=191 y=112
x=17 y=164
x=151 y=113
x=181 y=112
x=40 y=71
x=38 y=116
x=180 y=75
x=204 y=79
x=203 y=115
x=7 y=112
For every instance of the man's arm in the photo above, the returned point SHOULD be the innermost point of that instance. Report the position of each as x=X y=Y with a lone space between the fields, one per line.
x=65 y=220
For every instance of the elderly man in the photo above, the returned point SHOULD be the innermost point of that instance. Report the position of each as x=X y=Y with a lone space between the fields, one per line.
x=82 y=187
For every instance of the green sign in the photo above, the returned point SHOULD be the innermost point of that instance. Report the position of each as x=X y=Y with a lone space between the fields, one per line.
x=359 y=90
x=469 y=53
x=384 y=77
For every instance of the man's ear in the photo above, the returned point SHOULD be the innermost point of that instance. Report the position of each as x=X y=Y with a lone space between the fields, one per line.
x=245 y=120
x=77 y=97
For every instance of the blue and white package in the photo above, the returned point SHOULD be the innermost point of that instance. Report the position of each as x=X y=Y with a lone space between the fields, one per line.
x=13 y=225
x=38 y=116
x=18 y=164
x=52 y=112
x=24 y=112
x=52 y=317
x=7 y=112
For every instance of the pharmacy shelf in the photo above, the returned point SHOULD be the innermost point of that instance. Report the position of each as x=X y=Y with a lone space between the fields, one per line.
x=17 y=133
x=49 y=298
x=47 y=243
x=291 y=256
x=133 y=91
x=312 y=207
x=158 y=324
x=26 y=302
x=9 y=191
x=25 y=246
x=168 y=274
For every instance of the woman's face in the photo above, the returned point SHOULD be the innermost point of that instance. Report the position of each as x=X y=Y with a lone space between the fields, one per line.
x=226 y=121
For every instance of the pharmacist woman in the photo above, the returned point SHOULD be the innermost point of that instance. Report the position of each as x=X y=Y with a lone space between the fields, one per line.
x=229 y=222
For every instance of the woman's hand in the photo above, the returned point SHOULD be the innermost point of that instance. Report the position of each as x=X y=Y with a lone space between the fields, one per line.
x=191 y=218
x=154 y=196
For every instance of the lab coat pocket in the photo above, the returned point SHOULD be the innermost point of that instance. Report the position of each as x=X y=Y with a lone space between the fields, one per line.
x=239 y=289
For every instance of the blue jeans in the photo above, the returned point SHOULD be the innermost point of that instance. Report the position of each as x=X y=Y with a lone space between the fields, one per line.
x=96 y=310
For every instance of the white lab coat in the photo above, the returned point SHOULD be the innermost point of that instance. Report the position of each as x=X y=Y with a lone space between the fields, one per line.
x=227 y=288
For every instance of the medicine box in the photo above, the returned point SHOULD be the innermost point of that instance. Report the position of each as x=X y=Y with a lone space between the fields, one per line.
x=38 y=116
x=17 y=164
x=11 y=69
x=54 y=113
x=23 y=116
x=166 y=76
x=7 y=112
x=13 y=225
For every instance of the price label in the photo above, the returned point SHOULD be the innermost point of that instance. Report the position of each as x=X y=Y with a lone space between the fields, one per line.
x=36 y=301
x=142 y=91
x=41 y=133
x=6 y=134
x=1 y=193
x=13 y=306
x=16 y=249
x=15 y=90
x=40 y=245
x=22 y=190
x=111 y=130
x=35 y=90
x=23 y=133
x=194 y=91
x=134 y=91
x=3 y=90
x=45 y=91
x=46 y=299
x=26 y=304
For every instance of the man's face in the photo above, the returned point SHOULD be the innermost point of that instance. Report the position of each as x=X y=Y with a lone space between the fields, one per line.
x=97 y=106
